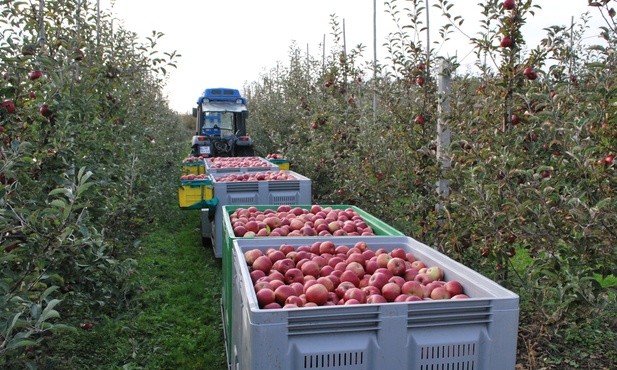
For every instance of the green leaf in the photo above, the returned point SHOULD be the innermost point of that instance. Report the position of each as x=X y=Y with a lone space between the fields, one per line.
x=63 y=191
x=59 y=203
x=49 y=312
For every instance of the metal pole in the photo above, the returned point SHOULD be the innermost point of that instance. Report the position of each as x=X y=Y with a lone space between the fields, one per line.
x=428 y=43
x=374 y=61
x=443 y=128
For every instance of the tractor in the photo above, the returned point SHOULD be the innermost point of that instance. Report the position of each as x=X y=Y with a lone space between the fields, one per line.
x=220 y=129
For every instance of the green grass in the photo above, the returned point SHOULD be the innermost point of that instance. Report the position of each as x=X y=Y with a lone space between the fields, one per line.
x=175 y=323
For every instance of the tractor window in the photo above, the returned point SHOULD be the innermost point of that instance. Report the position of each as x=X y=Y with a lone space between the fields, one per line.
x=227 y=121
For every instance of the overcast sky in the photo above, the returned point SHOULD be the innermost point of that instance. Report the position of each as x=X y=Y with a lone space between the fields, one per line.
x=227 y=43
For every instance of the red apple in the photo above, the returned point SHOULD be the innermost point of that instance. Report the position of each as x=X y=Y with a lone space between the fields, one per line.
x=9 y=106
x=317 y=294
x=440 y=293
x=390 y=291
x=383 y=259
x=282 y=293
x=412 y=288
x=351 y=277
x=293 y=275
x=262 y=263
x=310 y=268
x=375 y=299
x=398 y=280
x=508 y=4
x=355 y=293
x=506 y=42
x=343 y=287
x=435 y=273
x=453 y=287
x=396 y=266
x=378 y=280
x=35 y=75
x=265 y=296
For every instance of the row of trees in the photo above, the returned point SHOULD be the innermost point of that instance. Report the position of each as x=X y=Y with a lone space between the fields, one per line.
x=532 y=179
x=84 y=165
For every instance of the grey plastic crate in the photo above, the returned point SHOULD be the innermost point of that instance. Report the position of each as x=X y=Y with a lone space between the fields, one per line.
x=267 y=166
x=475 y=333
x=276 y=192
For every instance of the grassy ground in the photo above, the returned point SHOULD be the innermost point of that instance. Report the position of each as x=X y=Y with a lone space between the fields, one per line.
x=174 y=324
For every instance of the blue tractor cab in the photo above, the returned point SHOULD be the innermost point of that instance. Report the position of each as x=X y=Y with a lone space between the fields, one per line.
x=221 y=124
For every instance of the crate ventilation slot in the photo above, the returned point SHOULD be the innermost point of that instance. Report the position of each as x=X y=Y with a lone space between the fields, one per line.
x=241 y=200
x=468 y=316
x=361 y=322
x=338 y=360
x=238 y=187
x=449 y=357
x=284 y=199
x=284 y=185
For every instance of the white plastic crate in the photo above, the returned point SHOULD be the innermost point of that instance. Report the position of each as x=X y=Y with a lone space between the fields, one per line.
x=276 y=192
x=475 y=333
x=262 y=165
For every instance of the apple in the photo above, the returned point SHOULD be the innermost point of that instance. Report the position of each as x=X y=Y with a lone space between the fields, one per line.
x=356 y=268
x=293 y=275
x=265 y=296
x=327 y=247
x=460 y=296
x=508 y=4
x=506 y=42
x=262 y=263
x=376 y=299
x=276 y=255
x=371 y=266
x=385 y=271
x=530 y=73
x=351 y=277
x=355 y=293
x=420 y=81
x=294 y=301
x=35 y=75
x=383 y=259
x=413 y=298
x=317 y=294
x=412 y=288
x=453 y=287
x=46 y=111
x=440 y=293
x=272 y=306
x=410 y=274
x=310 y=268
x=419 y=120
x=256 y=275
x=342 y=288
x=369 y=290
x=240 y=230
x=356 y=257
x=396 y=266
x=399 y=253
x=397 y=279
x=276 y=275
x=282 y=292
x=9 y=106
x=327 y=282
x=390 y=291
x=378 y=280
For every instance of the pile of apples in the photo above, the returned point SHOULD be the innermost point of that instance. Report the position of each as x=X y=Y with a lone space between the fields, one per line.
x=257 y=176
x=275 y=156
x=193 y=160
x=237 y=162
x=192 y=176
x=326 y=274
x=286 y=220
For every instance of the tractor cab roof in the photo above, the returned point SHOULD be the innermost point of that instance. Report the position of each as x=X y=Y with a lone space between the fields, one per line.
x=222 y=100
